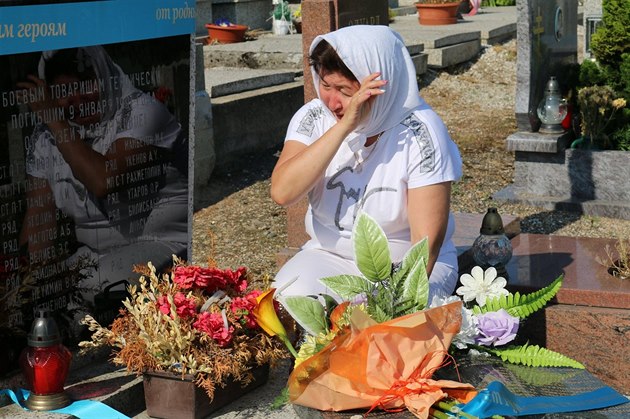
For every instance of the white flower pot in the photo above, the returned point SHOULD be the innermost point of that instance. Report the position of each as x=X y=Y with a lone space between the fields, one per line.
x=281 y=27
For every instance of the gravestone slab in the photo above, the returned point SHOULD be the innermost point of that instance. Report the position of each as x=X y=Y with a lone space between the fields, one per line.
x=590 y=315
x=95 y=137
x=362 y=12
x=546 y=33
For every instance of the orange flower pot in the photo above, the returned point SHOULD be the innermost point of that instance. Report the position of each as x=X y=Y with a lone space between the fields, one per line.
x=437 y=14
x=226 y=34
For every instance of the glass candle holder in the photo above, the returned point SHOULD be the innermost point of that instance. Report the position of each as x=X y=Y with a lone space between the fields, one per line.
x=492 y=247
x=45 y=363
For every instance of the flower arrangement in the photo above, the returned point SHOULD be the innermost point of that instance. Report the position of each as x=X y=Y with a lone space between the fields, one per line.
x=598 y=106
x=297 y=13
x=281 y=11
x=223 y=22
x=387 y=311
x=193 y=320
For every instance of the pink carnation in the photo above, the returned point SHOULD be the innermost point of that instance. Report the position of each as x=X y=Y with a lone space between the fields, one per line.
x=238 y=279
x=243 y=308
x=184 y=307
x=163 y=305
x=212 y=324
x=195 y=276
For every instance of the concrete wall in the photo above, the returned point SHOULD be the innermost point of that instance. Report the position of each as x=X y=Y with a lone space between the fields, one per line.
x=253 y=121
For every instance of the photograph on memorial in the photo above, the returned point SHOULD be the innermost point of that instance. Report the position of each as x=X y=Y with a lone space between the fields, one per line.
x=94 y=149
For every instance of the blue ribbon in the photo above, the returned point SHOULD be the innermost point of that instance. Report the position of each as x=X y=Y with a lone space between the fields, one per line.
x=496 y=399
x=82 y=409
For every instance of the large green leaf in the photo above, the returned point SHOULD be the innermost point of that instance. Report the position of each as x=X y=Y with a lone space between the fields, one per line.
x=534 y=356
x=307 y=311
x=522 y=306
x=347 y=286
x=371 y=249
x=416 y=285
x=418 y=250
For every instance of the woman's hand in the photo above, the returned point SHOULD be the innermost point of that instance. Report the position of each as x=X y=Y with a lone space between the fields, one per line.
x=36 y=84
x=360 y=104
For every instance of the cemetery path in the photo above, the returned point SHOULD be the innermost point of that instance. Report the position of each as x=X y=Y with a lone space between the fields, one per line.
x=239 y=224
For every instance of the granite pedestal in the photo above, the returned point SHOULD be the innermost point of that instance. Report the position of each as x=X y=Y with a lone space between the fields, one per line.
x=549 y=174
x=590 y=320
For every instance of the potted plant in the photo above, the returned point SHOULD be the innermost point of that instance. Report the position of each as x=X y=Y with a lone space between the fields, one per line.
x=193 y=332
x=281 y=18
x=225 y=32
x=437 y=12
x=598 y=106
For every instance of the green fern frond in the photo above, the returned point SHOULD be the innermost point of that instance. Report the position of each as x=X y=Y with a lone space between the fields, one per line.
x=380 y=305
x=403 y=306
x=522 y=306
x=533 y=356
x=540 y=377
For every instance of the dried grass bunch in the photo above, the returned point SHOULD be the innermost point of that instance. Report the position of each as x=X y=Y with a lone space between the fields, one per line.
x=192 y=321
x=618 y=260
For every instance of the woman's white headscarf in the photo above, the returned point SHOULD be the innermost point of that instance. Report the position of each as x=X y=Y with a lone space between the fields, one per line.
x=105 y=70
x=369 y=49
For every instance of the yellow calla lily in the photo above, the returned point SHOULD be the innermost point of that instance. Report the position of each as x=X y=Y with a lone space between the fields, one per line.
x=267 y=318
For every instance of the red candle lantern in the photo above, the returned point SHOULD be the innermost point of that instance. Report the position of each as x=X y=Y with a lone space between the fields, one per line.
x=45 y=363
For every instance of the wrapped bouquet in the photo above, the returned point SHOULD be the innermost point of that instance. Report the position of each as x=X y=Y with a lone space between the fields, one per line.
x=381 y=347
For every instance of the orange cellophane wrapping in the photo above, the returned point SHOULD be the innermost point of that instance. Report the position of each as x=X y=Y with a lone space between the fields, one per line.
x=387 y=365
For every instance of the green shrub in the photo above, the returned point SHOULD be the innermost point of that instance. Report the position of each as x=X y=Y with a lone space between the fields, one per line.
x=591 y=74
x=612 y=38
x=608 y=126
x=624 y=76
x=622 y=139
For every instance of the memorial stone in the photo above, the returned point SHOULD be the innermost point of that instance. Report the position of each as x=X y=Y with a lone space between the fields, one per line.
x=546 y=33
x=253 y=13
x=95 y=134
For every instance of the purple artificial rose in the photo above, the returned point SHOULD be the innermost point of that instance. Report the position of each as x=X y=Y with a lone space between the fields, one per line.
x=496 y=328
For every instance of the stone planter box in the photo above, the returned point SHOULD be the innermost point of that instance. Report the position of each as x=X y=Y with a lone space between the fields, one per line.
x=549 y=175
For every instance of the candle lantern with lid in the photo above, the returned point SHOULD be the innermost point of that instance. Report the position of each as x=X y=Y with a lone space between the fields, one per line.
x=492 y=247
x=552 y=109
x=45 y=363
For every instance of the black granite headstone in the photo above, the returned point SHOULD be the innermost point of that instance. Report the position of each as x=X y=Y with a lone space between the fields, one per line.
x=94 y=154
x=362 y=12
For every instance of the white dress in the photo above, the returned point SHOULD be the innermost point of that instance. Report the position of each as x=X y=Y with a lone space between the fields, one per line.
x=414 y=150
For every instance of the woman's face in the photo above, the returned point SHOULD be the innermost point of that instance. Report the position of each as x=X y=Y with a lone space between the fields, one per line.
x=336 y=91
